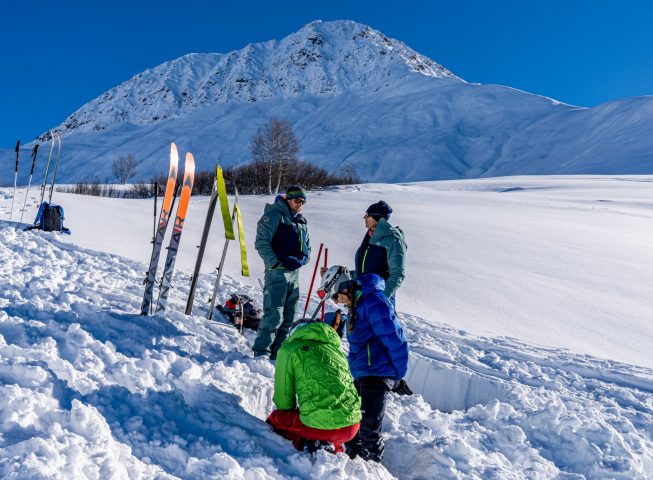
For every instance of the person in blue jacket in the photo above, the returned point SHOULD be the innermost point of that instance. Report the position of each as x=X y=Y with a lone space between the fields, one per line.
x=378 y=357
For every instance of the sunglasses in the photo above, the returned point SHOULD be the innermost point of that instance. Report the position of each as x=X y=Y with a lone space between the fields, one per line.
x=301 y=201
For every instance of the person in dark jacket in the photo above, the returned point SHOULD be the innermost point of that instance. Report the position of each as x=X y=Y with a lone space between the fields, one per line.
x=282 y=242
x=383 y=249
x=378 y=357
x=314 y=393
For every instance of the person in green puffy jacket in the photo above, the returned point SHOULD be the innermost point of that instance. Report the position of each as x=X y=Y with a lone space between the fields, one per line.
x=314 y=392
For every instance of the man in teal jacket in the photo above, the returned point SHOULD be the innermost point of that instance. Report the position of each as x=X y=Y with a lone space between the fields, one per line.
x=283 y=244
x=313 y=389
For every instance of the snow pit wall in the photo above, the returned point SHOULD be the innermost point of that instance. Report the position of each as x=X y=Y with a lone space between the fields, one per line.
x=448 y=387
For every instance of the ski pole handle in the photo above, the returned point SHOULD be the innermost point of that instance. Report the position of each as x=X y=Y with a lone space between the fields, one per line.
x=34 y=152
x=17 y=151
x=310 y=290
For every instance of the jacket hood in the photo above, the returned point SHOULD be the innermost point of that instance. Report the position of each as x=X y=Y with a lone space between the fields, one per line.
x=282 y=207
x=384 y=229
x=371 y=282
x=316 y=332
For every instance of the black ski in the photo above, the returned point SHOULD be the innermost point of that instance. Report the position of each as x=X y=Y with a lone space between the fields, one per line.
x=202 y=246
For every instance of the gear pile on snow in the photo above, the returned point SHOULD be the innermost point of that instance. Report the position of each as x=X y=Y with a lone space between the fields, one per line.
x=241 y=311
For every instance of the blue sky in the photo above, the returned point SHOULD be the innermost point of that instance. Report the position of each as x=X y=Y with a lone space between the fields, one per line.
x=57 y=55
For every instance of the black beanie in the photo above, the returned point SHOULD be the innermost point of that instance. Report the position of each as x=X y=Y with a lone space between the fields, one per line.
x=379 y=210
x=295 y=191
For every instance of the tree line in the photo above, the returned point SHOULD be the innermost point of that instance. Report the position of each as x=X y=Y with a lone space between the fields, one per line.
x=275 y=164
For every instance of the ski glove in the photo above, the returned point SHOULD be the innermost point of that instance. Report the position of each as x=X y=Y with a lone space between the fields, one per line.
x=400 y=387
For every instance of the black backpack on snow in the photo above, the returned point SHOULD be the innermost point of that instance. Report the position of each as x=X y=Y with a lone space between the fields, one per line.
x=49 y=219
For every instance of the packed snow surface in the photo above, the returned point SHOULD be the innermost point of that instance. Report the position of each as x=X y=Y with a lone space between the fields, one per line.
x=527 y=306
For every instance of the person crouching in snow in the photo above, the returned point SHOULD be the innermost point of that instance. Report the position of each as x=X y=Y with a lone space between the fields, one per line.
x=314 y=392
x=378 y=357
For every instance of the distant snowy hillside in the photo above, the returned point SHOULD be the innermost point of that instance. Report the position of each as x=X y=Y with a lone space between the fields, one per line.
x=355 y=97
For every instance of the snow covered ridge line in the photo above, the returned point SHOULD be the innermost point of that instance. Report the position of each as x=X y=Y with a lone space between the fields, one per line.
x=321 y=59
x=90 y=389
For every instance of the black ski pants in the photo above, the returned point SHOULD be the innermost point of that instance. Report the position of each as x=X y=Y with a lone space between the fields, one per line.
x=368 y=443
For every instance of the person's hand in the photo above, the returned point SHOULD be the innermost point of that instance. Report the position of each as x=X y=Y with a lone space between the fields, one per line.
x=401 y=388
x=323 y=270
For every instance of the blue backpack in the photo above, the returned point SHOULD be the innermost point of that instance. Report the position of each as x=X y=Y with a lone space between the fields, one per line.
x=49 y=219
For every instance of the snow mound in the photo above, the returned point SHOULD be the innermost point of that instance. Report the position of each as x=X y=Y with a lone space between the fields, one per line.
x=90 y=389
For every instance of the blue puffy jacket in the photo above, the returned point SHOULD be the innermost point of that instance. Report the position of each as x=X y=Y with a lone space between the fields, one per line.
x=377 y=345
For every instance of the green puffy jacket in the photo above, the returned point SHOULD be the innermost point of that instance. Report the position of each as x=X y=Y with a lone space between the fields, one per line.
x=312 y=374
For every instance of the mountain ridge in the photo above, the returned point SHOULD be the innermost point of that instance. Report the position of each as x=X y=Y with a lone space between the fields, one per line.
x=354 y=97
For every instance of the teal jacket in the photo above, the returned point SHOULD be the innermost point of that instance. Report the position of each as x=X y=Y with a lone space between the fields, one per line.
x=384 y=253
x=312 y=374
x=282 y=238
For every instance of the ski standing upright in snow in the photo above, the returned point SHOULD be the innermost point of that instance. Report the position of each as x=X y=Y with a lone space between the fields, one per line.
x=29 y=185
x=202 y=246
x=228 y=237
x=182 y=209
x=47 y=168
x=157 y=240
x=56 y=162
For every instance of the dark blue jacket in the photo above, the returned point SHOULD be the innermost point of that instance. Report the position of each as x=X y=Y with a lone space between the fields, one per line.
x=377 y=345
x=282 y=237
x=384 y=253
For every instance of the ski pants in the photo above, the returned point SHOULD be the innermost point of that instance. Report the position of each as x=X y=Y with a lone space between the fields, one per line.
x=368 y=443
x=280 y=297
x=287 y=424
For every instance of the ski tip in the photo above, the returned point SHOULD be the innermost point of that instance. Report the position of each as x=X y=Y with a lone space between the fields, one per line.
x=174 y=155
x=189 y=166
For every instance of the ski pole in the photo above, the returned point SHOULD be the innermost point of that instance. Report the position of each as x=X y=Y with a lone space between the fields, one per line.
x=310 y=290
x=242 y=315
x=56 y=162
x=326 y=263
x=13 y=197
x=34 y=152
x=220 y=268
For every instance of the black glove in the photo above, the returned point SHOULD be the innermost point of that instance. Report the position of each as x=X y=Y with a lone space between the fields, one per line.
x=401 y=388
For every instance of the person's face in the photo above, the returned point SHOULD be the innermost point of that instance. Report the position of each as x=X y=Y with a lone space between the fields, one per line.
x=296 y=204
x=370 y=223
x=343 y=299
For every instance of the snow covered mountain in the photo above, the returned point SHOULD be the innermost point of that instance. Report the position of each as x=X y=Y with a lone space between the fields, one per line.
x=321 y=59
x=354 y=96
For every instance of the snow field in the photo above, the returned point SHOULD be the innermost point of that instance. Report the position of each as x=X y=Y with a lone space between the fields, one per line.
x=90 y=389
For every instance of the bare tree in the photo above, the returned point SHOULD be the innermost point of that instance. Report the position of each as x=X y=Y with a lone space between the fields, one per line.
x=124 y=167
x=274 y=150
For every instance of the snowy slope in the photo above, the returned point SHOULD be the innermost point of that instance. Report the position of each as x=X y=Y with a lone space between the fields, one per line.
x=502 y=256
x=92 y=390
x=354 y=96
